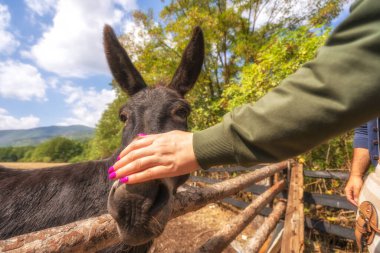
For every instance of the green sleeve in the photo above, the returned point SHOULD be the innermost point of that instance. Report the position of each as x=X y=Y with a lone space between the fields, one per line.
x=335 y=92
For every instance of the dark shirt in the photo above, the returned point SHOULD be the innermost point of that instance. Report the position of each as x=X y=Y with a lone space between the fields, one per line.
x=367 y=136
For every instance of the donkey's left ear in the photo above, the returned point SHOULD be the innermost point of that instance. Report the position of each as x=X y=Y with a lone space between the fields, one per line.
x=191 y=64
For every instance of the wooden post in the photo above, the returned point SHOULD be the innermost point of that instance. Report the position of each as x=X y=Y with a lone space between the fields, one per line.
x=293 y=237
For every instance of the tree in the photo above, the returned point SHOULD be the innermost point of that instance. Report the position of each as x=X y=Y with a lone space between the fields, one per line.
x=58 y=149
x=14 y=154
x=250 y=46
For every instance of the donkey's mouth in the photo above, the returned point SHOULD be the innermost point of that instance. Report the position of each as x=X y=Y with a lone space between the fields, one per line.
x=160 y=201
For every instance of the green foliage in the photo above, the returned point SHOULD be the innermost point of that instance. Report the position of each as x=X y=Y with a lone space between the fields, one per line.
x=335 y=154
x=58 y=149
x=14 y=154
x=284 y=53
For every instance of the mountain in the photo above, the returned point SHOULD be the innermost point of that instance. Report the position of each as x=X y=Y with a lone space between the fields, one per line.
x=34 y=136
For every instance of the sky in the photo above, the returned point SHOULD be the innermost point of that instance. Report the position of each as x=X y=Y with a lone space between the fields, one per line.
x=52 y=66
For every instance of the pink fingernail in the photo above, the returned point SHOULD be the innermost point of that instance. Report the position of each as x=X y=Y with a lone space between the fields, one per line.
x=112 y=175
x=118 y=158
x=111 y=169
x=123 y=180
x=141 y=135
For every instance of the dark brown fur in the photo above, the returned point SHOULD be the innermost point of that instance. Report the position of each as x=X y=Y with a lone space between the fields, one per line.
x=32 y=200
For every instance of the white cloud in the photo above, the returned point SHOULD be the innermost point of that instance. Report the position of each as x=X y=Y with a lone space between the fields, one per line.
x=273 y=11
x=86 y=106
x=41 y=7
x=8 y=43
x=21 y=81
x=72 y=46
x=136 y=32
x=7 y=121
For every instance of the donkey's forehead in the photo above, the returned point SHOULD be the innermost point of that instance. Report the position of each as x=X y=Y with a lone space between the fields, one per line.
x=154 y=96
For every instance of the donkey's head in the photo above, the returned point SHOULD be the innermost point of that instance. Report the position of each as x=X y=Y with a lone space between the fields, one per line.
x=142 y=210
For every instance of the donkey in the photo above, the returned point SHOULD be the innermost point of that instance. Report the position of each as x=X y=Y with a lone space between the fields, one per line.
x=33 y=200
x=141 y=211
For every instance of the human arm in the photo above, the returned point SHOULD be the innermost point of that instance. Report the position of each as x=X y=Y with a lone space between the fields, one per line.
x=329 y=95
x=360 y=164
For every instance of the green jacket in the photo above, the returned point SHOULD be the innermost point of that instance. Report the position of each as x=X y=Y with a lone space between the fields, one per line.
x=335 y=92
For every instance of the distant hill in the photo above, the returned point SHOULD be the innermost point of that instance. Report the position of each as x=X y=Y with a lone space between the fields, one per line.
x=35 y=136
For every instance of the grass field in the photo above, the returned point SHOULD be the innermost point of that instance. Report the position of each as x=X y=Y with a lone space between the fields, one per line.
x=18 y=165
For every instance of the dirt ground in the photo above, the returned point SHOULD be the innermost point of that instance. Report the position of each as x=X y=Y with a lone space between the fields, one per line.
x=18 y=165
x=190 y=231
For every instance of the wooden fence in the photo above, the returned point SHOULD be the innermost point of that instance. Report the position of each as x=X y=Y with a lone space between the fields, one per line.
x=272 y=201
x=332 y=201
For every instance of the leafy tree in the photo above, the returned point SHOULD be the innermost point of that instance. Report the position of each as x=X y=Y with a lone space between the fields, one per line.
x=284 y=53
x=58 y=149
x=14 y=154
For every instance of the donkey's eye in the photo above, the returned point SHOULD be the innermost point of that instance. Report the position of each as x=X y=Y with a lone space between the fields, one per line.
x=123 y=117
x=182 y=113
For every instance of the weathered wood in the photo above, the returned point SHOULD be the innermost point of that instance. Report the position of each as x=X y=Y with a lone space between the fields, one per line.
x=326 y=174
x=266 y=228
x=275 y=246
x=255 y=189
x=236 y=168
x=192 y=200
x=87 y=235
x=229 y=232
x=335 y=201
x=328 y=228
x=293 y=238
x=100 y=232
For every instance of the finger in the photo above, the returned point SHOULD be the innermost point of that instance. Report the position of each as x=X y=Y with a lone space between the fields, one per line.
x=137 y=143
x=350 y=197
x=349 y=194
x=133 y=156
x=356 y=195
x=146 y=175
x=137 y=166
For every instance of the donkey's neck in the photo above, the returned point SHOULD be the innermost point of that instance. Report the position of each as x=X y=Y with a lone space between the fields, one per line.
x=37 y=199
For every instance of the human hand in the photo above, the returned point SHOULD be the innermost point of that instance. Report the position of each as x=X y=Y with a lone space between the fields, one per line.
x=155 y=156
x=353 y=187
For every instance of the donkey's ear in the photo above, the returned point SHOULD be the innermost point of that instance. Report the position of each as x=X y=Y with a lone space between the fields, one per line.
x=121 y=66
x=191 y=64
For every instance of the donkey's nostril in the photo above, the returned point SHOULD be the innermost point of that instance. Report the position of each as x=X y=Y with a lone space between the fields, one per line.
x=160 y=200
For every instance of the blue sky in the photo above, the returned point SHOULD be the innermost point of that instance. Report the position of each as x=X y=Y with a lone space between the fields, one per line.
x=52 y=67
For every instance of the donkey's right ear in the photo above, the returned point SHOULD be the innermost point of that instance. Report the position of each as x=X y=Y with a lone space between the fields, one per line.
x=121 y=66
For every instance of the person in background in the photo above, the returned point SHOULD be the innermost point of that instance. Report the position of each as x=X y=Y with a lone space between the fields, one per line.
x=366 y=152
